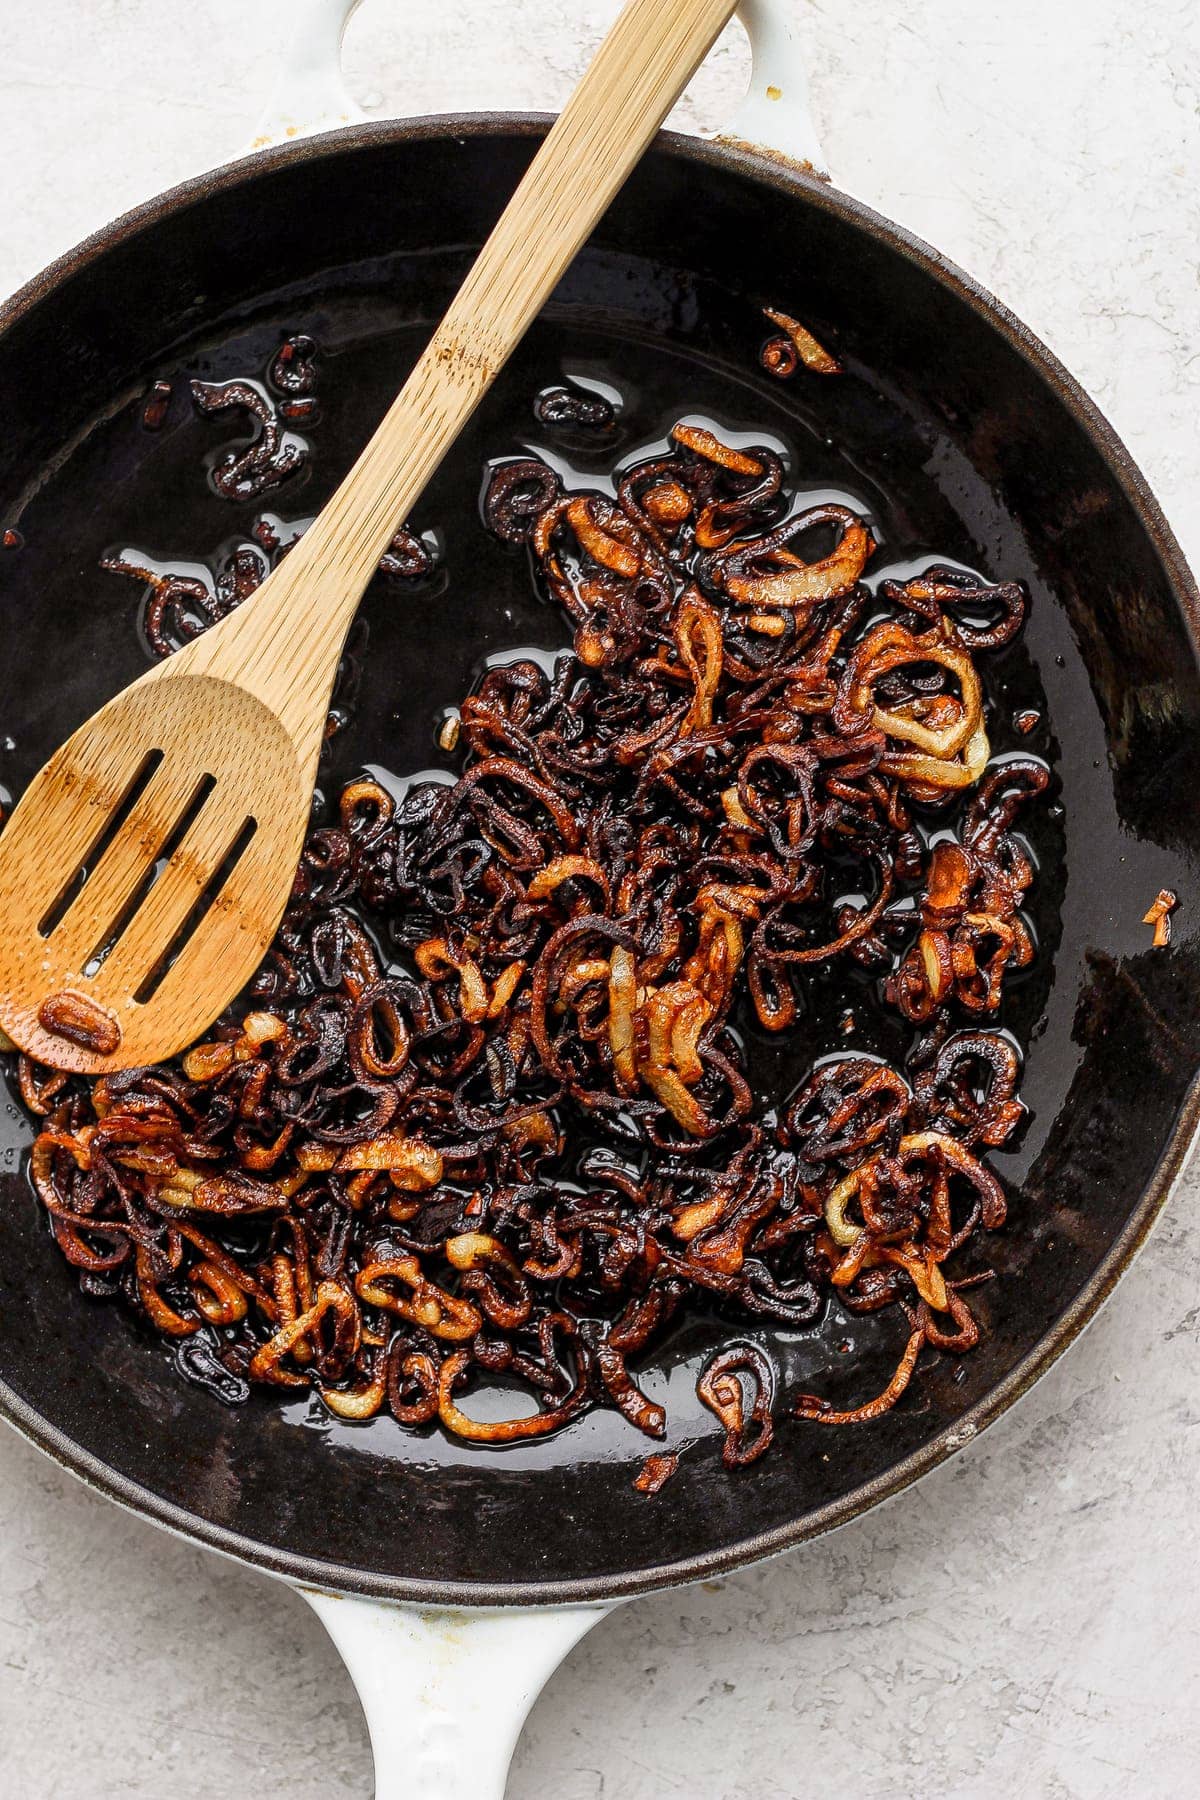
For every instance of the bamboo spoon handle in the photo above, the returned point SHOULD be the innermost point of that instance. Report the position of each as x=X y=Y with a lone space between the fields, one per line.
x=284 y=645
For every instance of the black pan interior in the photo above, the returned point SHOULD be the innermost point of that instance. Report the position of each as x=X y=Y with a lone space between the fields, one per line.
x=957 y=434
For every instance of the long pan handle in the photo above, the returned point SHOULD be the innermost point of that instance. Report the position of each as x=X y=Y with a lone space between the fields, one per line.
x=446 y=1694
x=310 y=96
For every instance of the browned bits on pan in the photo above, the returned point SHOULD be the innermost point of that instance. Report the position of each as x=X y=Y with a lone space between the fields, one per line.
x=655 y=1472
x=154 y=411
x=1159 y=915
x=80 y=1021
x=782 y=356
x=518 y=1146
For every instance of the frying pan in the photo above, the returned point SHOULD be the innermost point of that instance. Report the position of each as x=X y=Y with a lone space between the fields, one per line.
x=453 y=1578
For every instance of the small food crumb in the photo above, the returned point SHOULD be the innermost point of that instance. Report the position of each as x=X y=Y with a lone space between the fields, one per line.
x=12 y=540
x=157 y=402
x=848 y=1024
x=448 y=731
x=655 y=1472
x=1026 y=722
x=1159 y=916
x=801 y=344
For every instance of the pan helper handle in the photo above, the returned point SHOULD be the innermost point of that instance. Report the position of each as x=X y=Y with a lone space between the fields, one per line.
x=776 y=114
x=310 y=95
x=446 y=1693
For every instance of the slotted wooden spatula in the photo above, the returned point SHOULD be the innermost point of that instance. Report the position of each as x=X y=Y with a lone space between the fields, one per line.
x=147 y=866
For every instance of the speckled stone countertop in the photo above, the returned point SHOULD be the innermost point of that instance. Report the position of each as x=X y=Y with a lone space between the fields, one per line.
x=1024 y=1623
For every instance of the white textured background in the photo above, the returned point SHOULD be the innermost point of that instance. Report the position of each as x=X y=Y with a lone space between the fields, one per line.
x=1023 y=1624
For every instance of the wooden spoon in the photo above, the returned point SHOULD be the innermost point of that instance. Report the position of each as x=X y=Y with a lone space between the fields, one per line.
x=146 y=869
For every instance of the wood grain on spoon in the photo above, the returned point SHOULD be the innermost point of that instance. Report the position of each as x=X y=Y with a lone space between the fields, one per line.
x=146 y=869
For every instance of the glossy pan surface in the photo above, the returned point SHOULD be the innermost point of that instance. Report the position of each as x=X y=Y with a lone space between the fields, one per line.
x=957 y=432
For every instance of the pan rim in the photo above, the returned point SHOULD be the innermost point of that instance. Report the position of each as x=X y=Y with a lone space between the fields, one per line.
x=790 y=181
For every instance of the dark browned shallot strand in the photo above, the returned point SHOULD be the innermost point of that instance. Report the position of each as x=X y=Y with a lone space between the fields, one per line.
x=528 y=1141
x=795 y=346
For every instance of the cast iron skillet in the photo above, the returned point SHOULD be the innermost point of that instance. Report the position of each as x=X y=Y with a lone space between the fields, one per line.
x=960 y=433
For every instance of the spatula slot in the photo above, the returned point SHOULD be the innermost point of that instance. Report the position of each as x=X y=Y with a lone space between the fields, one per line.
x=205 y=901
x=141 y=892
x=71 y=889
